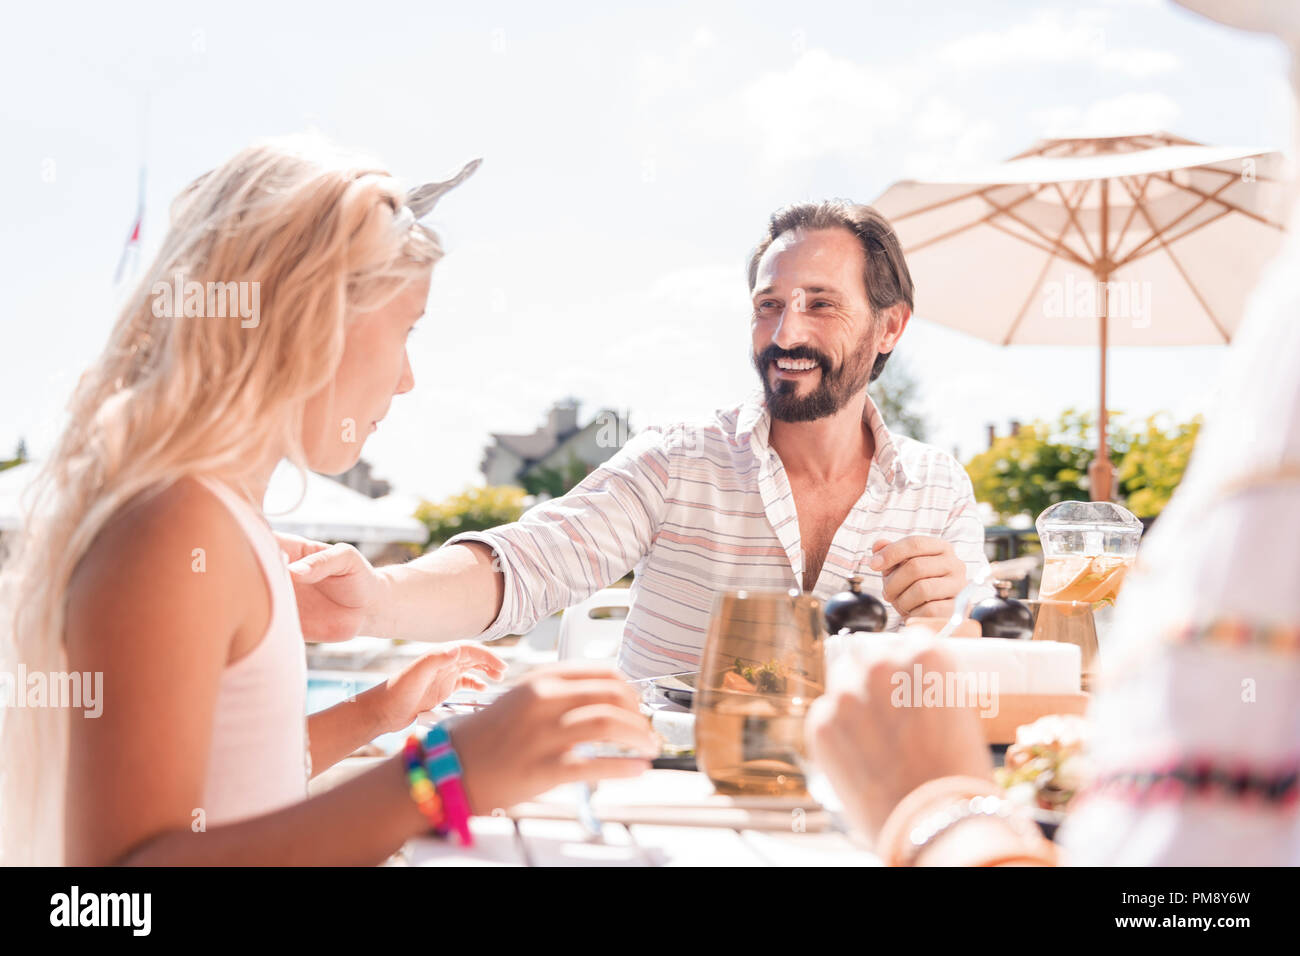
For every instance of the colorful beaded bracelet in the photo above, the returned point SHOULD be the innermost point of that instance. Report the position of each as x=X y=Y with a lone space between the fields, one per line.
x=423 y=790
x=443 y=768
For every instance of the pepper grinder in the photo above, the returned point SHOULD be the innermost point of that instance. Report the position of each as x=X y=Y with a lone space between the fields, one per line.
x=855 y=610
x=1003 y=616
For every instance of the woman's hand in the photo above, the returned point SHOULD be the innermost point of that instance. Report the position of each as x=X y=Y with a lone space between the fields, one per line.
x=522 y=745
x=338 y=590
x=431 y=680
x=874 y=752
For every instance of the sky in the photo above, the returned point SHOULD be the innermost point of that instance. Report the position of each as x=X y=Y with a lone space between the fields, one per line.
x=631 y=158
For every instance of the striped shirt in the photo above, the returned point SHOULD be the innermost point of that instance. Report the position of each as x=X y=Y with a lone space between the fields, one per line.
x=698 y=508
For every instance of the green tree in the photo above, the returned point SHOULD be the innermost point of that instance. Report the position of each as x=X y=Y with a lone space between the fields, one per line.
x=474 y=509
x=1154 y=464
x=554 y=482
x=1042 y=464
x=895 y=394
x=20 y=456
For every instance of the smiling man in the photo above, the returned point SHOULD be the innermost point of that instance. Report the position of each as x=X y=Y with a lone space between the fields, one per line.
x=802 y=485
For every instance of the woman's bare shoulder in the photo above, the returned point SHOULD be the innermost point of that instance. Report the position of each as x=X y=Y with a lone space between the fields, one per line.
x=174 y=554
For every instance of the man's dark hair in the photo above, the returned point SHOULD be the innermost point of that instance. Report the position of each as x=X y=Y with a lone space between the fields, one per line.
x=887 y=280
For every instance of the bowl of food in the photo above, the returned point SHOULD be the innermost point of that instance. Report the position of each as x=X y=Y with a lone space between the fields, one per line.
x=1047 y=766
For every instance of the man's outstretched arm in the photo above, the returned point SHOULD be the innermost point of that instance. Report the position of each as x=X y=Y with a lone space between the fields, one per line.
x=450 y=593
x=500 y=581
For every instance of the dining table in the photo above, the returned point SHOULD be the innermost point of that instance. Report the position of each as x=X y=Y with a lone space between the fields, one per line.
x=662 y=818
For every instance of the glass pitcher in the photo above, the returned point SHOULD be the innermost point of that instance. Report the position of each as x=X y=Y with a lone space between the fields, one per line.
x=1088 y=548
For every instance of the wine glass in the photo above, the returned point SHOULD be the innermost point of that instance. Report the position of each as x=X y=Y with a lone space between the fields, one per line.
x=763 y=664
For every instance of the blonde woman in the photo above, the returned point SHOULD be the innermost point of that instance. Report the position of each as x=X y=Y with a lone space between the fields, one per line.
x=146 y=558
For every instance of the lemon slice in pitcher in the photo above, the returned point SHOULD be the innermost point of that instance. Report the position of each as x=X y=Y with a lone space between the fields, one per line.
x=1061 y=575
x=1104 y=579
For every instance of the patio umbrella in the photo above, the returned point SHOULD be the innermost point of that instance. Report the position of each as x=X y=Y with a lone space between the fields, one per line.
x=1120 y=240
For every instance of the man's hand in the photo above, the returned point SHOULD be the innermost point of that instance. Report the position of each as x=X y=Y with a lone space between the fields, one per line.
x=923 y=575
x=338 y=591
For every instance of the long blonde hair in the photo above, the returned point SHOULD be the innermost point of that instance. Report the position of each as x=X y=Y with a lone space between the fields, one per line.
x=325 y=235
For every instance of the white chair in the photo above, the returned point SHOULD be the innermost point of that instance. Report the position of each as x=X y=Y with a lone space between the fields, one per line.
x=587 y=638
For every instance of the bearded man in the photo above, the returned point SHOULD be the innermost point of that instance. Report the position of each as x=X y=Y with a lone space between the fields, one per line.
x=802 y=485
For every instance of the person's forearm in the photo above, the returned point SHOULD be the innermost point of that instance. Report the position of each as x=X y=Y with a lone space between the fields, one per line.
x=359 y=823
x=339 y=730
x=448 y=594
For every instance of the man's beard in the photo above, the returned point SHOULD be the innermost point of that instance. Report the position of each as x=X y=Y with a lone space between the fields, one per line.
x=835 y=388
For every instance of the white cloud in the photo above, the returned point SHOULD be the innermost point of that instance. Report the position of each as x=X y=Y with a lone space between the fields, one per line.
x=1085 y=37
x=1046 y=37
x=947 y=136
x=1126 y=113
x=716 y=289
x=820 y=106
x=938 y=119
x=659 y=76
x=1139 y=63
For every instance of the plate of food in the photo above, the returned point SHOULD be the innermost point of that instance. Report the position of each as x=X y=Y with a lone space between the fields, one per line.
x=677 y=688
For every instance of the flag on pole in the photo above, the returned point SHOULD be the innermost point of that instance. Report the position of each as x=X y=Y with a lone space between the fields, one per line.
x=131 y=250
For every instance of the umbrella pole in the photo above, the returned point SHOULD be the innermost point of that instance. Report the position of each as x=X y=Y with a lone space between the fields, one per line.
x=1101 y=473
